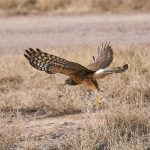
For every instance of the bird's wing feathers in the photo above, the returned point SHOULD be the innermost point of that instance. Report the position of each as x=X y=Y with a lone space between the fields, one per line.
x=101 y=73
x=52 y=64
x=104 y=59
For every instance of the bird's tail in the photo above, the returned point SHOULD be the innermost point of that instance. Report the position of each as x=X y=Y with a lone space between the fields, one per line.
x=104 y=72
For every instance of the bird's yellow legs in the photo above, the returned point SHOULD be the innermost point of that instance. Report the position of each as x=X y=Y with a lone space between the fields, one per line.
x=97 y=102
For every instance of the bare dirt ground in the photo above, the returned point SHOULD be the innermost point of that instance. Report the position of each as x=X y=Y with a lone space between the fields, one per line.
x=18 y=33
x=45 y=115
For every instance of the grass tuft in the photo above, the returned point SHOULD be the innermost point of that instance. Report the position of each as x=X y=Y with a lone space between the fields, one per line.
x=25 y=7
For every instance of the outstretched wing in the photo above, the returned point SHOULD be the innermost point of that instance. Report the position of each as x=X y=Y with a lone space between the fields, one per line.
x=52 y=64
x=104 y=59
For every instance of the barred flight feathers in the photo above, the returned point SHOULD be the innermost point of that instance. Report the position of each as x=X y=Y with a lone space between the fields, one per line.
x=101 y=73
x=52 y=64
x=104 y=58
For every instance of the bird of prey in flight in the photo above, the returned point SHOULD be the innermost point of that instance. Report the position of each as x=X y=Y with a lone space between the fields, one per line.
x=77 y=74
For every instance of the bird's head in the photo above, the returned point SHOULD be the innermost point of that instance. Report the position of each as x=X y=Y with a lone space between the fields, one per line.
x=69 y=81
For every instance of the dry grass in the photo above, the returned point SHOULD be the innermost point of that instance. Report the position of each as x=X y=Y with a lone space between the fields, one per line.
x=71 y=6
x=122 y=128
x=121 y=123
x=10 y=134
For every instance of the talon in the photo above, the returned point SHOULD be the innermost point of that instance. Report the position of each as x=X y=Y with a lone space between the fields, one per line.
x=97 y=101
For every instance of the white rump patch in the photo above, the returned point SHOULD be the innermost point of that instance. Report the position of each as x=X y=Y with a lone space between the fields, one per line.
x=100 y=71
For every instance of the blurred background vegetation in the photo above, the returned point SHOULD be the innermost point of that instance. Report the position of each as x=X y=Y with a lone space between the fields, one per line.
x=26 y=7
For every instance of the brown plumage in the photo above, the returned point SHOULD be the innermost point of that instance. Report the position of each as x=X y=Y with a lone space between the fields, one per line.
x=77 y=73
x=104 y=59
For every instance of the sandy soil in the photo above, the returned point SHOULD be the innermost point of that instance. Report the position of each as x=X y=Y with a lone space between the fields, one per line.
x=47 y=126
x=18 y=33
x=55 y=128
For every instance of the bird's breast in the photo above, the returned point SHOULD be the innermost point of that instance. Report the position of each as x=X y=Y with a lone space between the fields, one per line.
x=89 y=83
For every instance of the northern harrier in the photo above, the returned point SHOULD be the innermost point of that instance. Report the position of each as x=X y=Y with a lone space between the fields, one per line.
x=77 y=73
